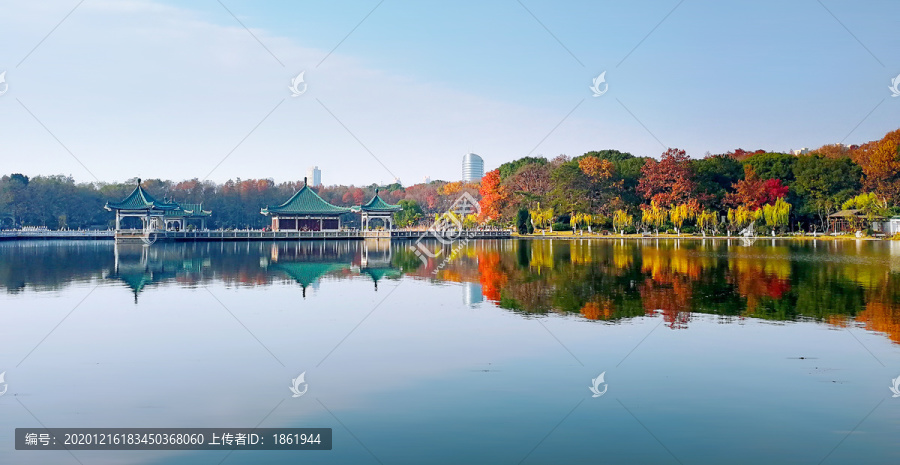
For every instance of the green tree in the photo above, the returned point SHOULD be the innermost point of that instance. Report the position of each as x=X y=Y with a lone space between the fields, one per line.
x=509 y=168
x=773 y=166
x=777 y=215
x=823 y=184
x=571 y=189
x=714 y=176
x=409 y=215
x=13 y=193
x=523 y=221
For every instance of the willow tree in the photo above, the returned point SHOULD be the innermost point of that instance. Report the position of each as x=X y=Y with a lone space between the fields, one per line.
x=588 y=221
x=622 y=220
x=542 y=217
x=683 y=212
x=708 y=220
x=777 y=215
x=654 y=215
x=740 y=217
x=869 y=204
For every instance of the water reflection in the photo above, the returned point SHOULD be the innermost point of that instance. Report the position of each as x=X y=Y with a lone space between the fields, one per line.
x=837 y=283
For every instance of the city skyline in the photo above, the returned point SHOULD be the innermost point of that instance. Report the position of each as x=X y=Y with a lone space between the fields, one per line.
x=391 y=91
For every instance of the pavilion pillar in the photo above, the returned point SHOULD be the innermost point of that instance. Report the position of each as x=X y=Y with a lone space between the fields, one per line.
x=118 y=221
x=321 y=224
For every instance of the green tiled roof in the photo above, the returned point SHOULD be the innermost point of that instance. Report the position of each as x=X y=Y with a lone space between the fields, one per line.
x=139 y=199
x=306 y=273
x=189 y=210
x=305 y=202
x=377 y=204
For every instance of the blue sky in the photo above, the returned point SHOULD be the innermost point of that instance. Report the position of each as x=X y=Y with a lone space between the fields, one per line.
x=179 y=90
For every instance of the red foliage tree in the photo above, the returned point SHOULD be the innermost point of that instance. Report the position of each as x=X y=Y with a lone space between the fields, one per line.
x=493 y=195
x=668 y=181
x=753 y=192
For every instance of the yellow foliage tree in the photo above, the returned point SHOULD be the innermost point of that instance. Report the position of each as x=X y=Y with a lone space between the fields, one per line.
x=708 y=220
x=683 y=212
x=654 y=215
x=622 y=220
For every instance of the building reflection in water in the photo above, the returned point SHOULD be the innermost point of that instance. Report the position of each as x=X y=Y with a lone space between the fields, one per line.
x=839 y=283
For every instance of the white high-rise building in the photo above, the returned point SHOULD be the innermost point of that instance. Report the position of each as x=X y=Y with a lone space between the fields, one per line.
x=472 y=168
x=314 y=176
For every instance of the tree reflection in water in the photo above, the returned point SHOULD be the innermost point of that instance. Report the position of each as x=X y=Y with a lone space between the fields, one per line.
x=839 y=283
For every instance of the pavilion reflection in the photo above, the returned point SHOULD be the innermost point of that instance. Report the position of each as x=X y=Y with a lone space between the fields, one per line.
x=840 y=283
x=246 y=264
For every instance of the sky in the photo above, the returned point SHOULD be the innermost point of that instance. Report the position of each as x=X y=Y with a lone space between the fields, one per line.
x=107 y=90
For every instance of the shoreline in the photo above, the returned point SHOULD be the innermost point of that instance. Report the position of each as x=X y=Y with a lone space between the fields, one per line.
x=693 y=237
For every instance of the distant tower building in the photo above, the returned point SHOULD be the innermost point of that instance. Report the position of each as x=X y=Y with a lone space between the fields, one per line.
x=473 y=168
x=427 y=180
x=314 y=174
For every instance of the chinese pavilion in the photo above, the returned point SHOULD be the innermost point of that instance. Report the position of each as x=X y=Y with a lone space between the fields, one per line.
x=305 y=211
x=176 y=220
x=154 y=214
x=377 y=208
x=140 y=204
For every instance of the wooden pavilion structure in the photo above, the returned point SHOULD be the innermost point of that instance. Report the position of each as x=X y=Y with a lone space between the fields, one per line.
x=379 y=209
x=177 y=220
x=156 y=215
x=305 y=211
x=853 y=220
x=140 y=204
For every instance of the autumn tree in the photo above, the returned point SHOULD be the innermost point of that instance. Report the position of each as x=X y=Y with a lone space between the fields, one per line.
x=708 y=220
x=739 y=218
x=622 y=220
x=880 y=162
x=683 y=212
x=493 y=196
x=530 y=184
x=668 y=181
x=754 y=192
x=654 y=215
x=832 y=151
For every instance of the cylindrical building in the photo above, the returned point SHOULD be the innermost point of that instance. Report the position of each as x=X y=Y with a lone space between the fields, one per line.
x=472 y=168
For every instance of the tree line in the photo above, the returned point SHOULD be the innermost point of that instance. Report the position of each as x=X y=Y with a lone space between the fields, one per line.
x=58 y=202
x=605 y=189
x=717 y=193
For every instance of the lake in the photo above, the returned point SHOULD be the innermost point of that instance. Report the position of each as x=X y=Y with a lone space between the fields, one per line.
x=711 y=351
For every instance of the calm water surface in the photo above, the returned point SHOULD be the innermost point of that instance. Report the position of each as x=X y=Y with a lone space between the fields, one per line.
x=713 y=352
